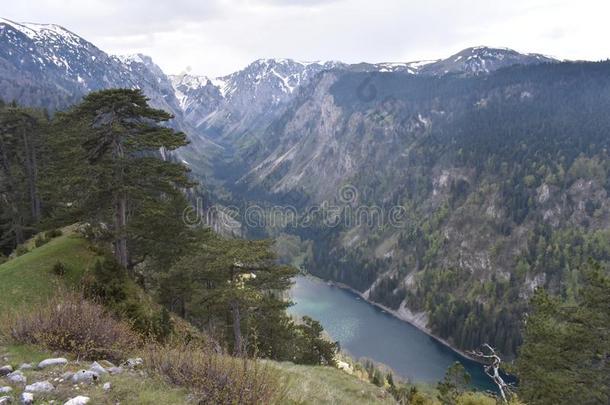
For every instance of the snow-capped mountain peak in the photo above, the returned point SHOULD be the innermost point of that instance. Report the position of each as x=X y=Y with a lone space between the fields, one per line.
x=483 y=59
x=43 y=32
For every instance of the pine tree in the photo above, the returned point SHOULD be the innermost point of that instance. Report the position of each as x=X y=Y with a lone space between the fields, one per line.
x=234 y=279
x=20 y=142
x=565 y=357
x=454 y=384
x=116 y=139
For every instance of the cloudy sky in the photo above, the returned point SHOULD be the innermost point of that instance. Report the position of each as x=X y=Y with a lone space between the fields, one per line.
x=215 y=37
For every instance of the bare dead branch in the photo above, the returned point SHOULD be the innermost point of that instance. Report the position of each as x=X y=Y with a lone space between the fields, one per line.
x=493 y=370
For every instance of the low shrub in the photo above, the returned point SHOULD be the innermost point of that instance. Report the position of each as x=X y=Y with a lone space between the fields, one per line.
x=40 y=240
x=214 y=378
x=53 y=233
x=59 y=269
x=21 y=250
x=109 y=284
x=74 y=325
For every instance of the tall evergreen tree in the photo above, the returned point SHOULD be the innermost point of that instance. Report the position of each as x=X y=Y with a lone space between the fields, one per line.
x=565 y=357
x=232 y=282
x=123 y=179
x=20 y=142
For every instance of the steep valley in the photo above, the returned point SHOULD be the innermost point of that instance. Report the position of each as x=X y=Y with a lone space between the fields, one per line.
x=461 y=184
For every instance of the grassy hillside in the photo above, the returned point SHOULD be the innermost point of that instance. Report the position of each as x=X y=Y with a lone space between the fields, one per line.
x=28 y=279
x=317 y=385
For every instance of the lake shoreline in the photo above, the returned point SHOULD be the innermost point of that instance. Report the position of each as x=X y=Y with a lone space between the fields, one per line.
x=398 y=316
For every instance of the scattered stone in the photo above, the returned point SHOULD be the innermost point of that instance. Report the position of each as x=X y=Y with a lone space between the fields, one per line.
x=17 y=377
x=5 y=390
x=26 y=366
x=107 y=386
x=85 y=376
x=97 y=368
x=41 y=386
x=133 y=363
x=5 y=370
x=27 y=398
x=106 y=364
x=67 y=375
x=342 y=365
x=60 y=361
x=5 y=400
x=115 y=370
x=79 y=400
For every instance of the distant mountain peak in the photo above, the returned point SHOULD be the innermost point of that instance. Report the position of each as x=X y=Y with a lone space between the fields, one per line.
x=483 y=59
x=42 y=32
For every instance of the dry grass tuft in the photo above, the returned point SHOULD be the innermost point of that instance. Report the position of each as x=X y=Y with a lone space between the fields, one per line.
x=214 y=378
x=71 y=324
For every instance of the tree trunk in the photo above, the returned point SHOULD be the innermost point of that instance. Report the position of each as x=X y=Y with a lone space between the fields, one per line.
x=120 y=221
x=31 y=172
x=238 y=349
x=9 y=197
x=120 y=248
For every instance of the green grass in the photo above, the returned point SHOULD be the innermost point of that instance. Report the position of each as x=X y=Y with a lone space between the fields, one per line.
x=29 y=279
x=317 y=384
x=19 y=354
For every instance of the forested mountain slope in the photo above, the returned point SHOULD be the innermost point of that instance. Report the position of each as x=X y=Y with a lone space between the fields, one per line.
x=502 y=179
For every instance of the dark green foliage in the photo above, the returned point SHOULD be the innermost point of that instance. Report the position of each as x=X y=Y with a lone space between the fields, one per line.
x=53 y=233
x=108 y=170
x=454 y=384
x=565 y=357
x=59 y=269
x=109 y=284
x=311 y=346
x=21 y=250
x=234 y=288
x=21 y=144
x=40 y=240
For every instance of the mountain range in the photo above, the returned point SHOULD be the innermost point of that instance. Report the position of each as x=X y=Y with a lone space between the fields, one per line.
x=498 y=160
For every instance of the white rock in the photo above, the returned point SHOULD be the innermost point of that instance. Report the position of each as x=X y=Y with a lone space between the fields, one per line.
x=67 y=375
x=132 y=363
x=17 y=377
x=107 y=386
x=115 y=370
x=41 y=386
x=85 y=376
x=5 y=370
x=60 y=361
x=27 y=398
x=79 y=400
x=26 y=366
x=97 y=368
x=341 y=365
x=4 y=390
x=5 y=400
